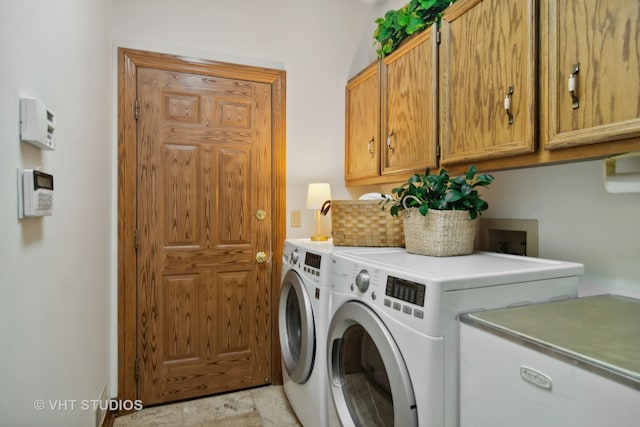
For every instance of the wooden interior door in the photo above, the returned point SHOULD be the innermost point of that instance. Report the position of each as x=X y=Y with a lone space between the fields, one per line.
x=203 y=179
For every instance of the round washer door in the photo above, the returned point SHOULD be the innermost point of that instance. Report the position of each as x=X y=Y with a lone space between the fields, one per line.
x=369 y=381
x=297 y=328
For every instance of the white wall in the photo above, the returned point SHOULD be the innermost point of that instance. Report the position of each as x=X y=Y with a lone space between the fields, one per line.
x=55 y=271
x=578 y=221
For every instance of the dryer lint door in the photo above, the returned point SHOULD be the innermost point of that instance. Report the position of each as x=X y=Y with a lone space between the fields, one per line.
x=297 y=328
x=369 y=381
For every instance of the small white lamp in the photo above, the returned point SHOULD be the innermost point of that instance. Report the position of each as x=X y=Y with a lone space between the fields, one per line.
x=317 y=194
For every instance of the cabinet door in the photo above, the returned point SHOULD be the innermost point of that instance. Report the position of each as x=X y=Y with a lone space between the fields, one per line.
x=487 y=56
x=409 y=106
x=362 y=126
x=598 y=42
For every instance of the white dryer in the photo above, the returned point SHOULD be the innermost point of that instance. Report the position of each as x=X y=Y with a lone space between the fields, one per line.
x=303 y=320
x=392 y=344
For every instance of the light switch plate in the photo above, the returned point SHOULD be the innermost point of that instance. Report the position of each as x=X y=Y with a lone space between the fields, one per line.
x=295 y=219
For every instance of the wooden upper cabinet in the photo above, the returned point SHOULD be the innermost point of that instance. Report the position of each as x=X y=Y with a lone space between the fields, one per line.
x=487 y=60
x=596 y=45
x=409 y=105
x=362 y=125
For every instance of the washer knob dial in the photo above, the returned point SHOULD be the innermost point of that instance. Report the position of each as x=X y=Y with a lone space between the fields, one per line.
x=362 y=281
x=294 y=256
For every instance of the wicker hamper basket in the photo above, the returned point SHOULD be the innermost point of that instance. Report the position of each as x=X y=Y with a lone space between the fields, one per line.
x=364 y=223
x=439 y=233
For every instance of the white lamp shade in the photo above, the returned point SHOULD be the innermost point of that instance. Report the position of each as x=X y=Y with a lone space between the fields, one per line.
x=317 y=194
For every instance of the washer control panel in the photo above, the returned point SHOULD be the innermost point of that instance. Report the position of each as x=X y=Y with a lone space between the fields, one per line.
x=403 y=298
x=312 y=263
x=405 y=290
x=312 y=260
x=303 y=261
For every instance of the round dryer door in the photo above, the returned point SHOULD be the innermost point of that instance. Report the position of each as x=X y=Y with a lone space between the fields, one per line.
x=369 y=381
x=297 y=328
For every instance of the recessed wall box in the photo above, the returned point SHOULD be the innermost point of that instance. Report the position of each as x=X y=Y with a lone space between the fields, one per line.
x=511 y=236
x=37 y=124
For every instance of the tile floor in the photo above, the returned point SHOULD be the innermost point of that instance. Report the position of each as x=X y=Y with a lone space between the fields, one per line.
x=259 y=407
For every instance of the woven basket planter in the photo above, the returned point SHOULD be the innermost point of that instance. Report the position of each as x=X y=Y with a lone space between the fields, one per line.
x=439 y=233
x=364 y=223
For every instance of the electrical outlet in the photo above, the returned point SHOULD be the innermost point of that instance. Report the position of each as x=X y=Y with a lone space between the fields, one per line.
x=295 y=219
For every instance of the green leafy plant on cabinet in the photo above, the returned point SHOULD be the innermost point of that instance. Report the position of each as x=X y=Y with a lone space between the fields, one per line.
x=397 y=25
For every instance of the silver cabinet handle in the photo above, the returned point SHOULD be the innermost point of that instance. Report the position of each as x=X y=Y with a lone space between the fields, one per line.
x=391 y=135
x=575 y=100
x=370 y=145
x=507 y=104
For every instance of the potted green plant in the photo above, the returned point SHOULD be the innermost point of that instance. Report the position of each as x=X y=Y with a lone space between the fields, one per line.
x=439 y=211
x=396 y=25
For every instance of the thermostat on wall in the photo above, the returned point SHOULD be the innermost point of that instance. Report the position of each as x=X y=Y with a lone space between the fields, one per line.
x=37 y=124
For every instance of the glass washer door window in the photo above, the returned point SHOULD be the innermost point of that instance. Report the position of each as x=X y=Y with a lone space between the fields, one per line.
x=369 y=382
x=297 y=328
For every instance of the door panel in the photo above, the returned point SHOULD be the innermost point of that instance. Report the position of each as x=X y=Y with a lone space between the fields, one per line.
x=204 y=323
x=233 y=168
x=180 y=194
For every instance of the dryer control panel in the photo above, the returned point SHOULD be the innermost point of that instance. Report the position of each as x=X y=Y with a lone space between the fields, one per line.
x=406 y=290
x=403 y=299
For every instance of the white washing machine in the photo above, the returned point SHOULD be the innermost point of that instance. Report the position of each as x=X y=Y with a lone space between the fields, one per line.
x=303 y=321
x=392 y=344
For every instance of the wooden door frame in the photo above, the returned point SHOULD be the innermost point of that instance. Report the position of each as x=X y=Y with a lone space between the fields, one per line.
x=128 y=62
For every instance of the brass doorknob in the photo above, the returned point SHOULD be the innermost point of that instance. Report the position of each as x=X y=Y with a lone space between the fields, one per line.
x=261 y=215
x=261 y=257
